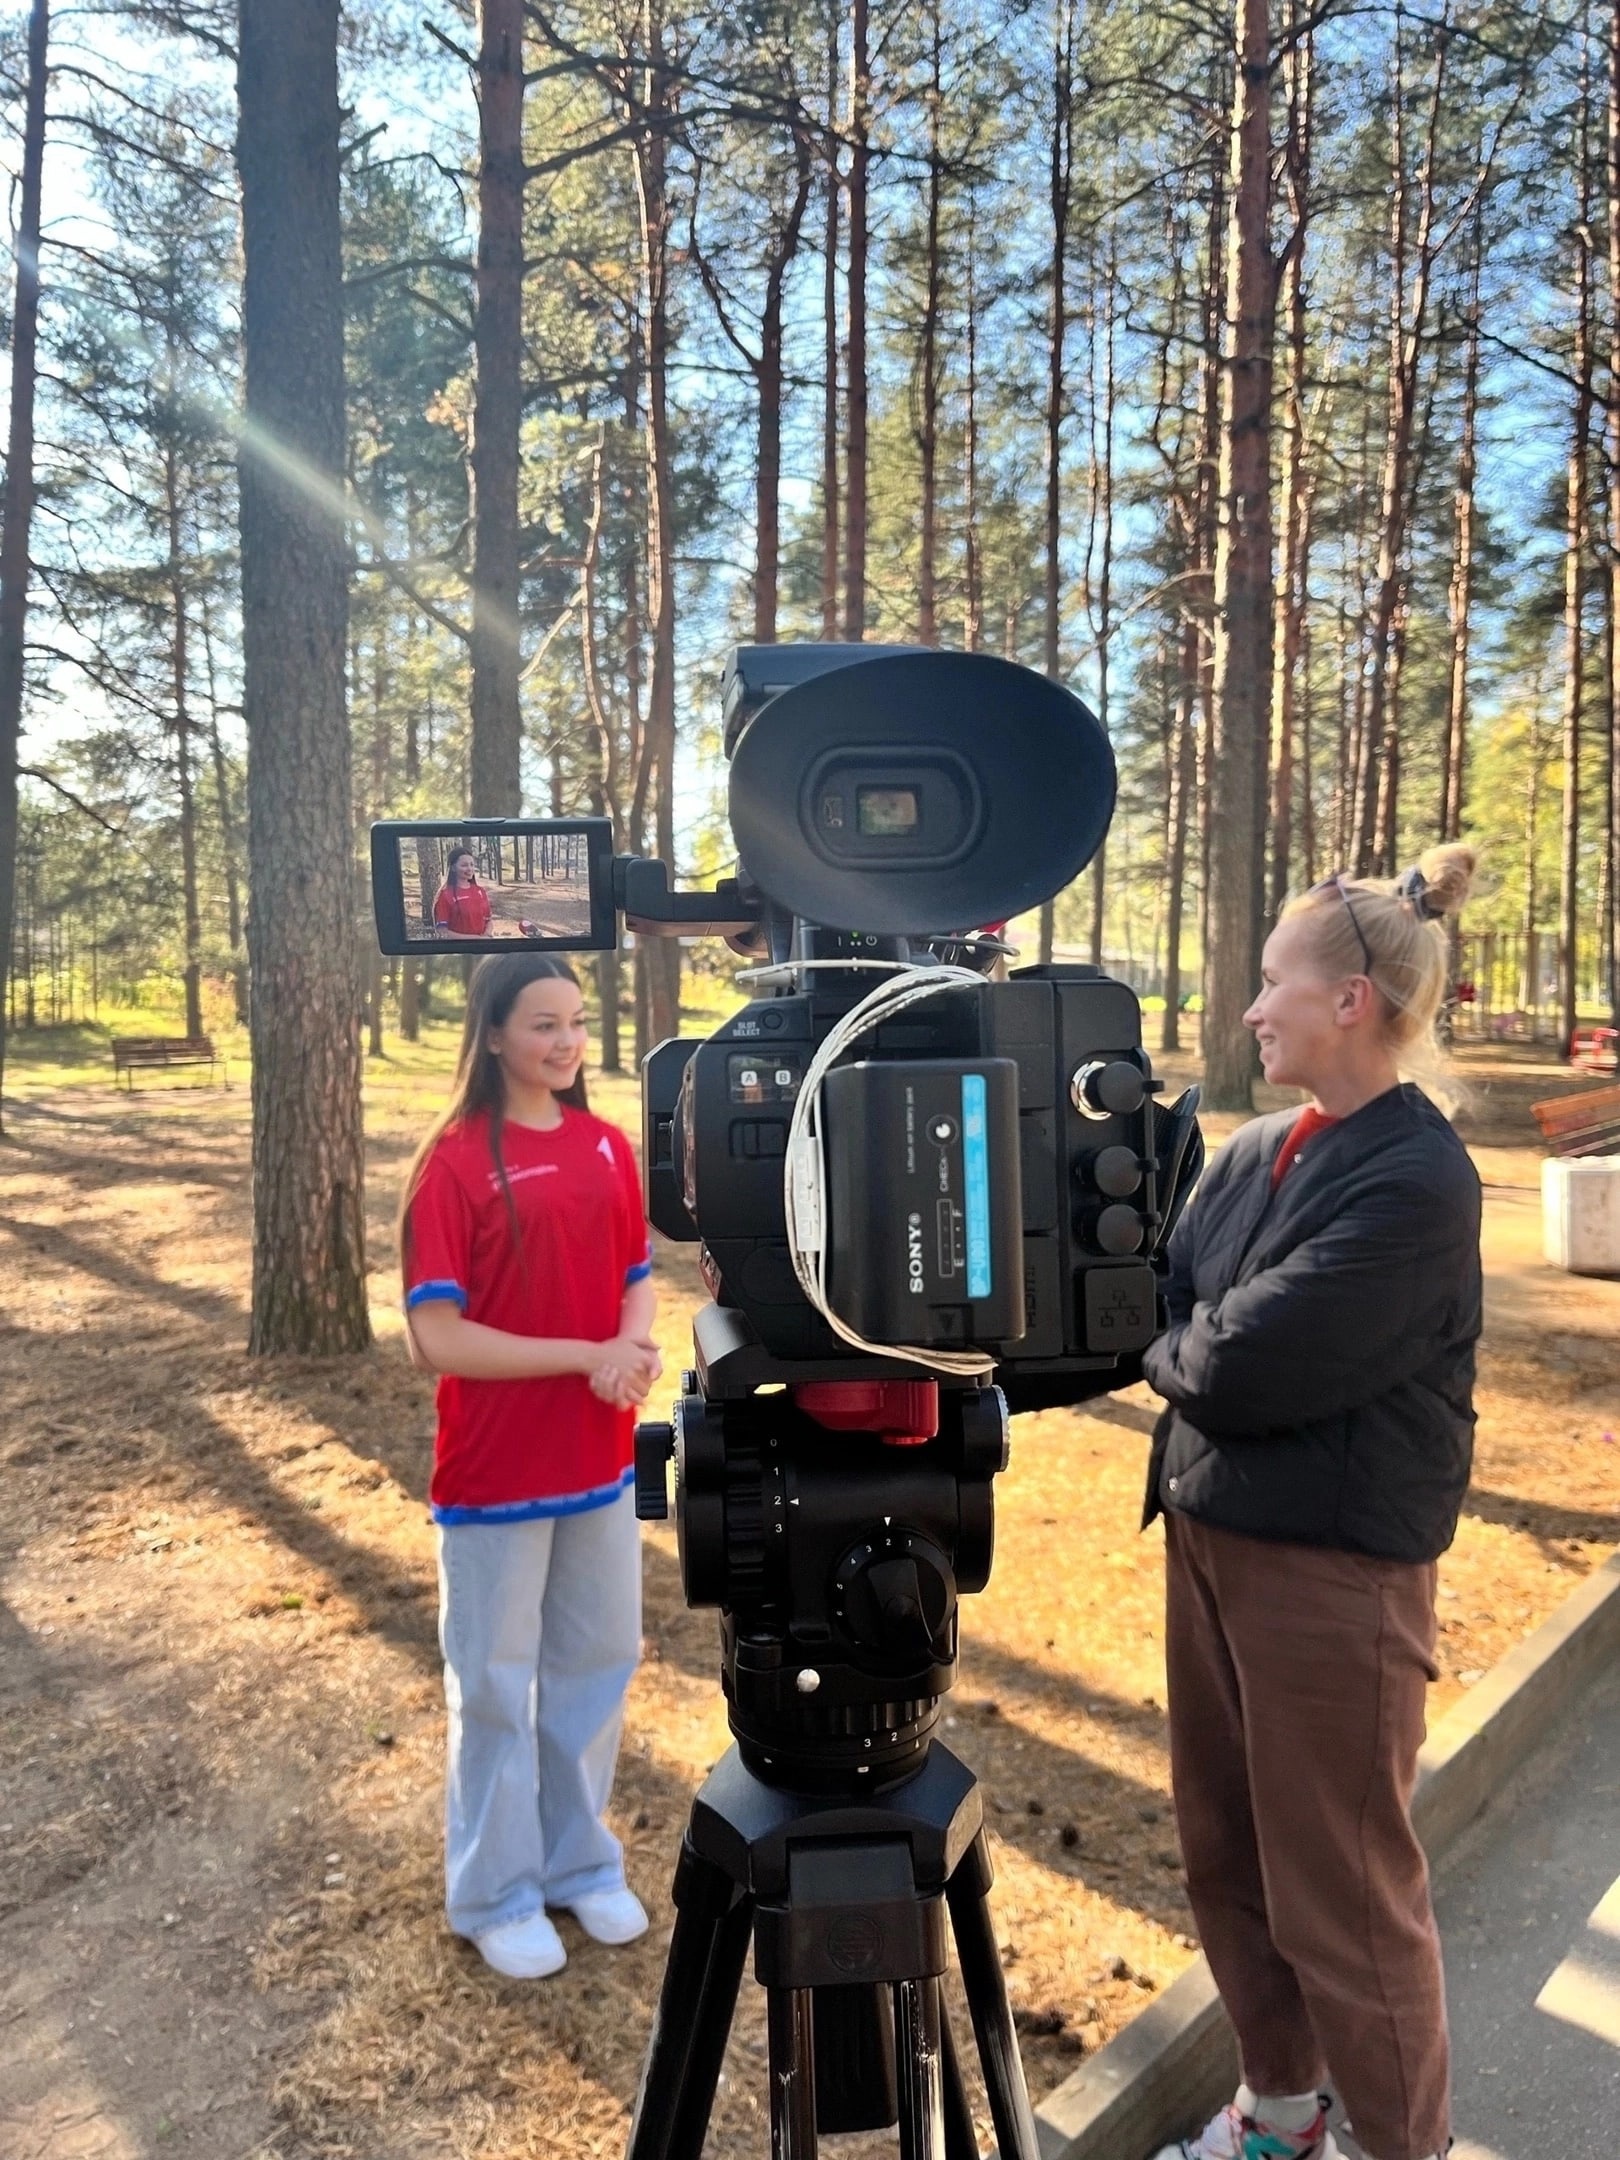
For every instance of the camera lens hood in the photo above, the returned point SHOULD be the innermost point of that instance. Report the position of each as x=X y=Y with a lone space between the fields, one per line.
x=920 y=792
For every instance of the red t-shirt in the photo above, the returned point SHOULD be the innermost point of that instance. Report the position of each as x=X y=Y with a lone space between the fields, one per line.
x=1305 y=1127
x=511 y=1449
x=466 y=910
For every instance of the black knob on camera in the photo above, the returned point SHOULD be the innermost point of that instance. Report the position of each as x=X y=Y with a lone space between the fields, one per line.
x=655 y=1444
x=1118 y=1230
x=1108 y=1087
x=1116 y=1172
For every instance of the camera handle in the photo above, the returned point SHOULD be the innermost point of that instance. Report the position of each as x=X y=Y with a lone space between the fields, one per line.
x=845 y=1902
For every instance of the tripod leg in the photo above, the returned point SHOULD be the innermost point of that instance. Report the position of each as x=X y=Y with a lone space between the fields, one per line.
x=791 y=2029
x=702 y=1974
x=961 y=2140
x=922 y=2081
x=968 y=1896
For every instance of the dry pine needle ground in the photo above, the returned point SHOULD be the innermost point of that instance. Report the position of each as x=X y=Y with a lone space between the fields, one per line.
x=220 y=1723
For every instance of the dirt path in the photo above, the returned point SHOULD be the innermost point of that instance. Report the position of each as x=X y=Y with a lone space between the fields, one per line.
x=220 y=1931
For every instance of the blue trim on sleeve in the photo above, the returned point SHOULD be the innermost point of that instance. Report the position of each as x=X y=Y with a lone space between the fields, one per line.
x=507 y=1511
x=445 y=1288
x=638 y=1273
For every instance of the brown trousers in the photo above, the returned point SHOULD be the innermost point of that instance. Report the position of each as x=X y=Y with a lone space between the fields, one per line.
x=1297 y=1681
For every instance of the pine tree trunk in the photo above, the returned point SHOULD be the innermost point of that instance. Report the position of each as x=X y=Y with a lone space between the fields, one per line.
x=17 y=502
x=1386 y=831
x=1103 y=510
x=928 y=367
x=860 y=97
x=1298 y=70
x=1060 y=168
x=1242 y=577
x=1060 y=187
x=831 y=488
x=1612 y=823
x=972 y=564
x=1411 y=255
x=663 y=957
x=1183 y=784
x=228 y=844
x=309 y=1276
x=495 y=784
x=184 y=775
x=769 y=386
x=1207 y=516
x=1460 y=597
x=1577 y=542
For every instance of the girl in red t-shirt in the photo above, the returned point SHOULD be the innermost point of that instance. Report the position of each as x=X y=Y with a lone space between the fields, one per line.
x=462 y=907
x=527 y=1288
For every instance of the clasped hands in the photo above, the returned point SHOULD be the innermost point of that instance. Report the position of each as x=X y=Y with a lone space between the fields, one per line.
x=623 y=1371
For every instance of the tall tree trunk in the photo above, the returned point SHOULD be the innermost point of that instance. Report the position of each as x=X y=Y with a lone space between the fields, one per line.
x=1102 y=500
x=1183 y=778
x=607 y=782
x=972 y=562
x=1242 y=575
x=228 y=842
x=1298 y=71
x=928 y=362
x=767 y=372
x=1060 y=169
x=184 y=775
x=1612 y=834
x=860 y=120
x=1412 y=255
x=663 y=959
x=1576 y=548
x=831 y=488
x=309 y=1273
x=1206 y=510
x=1386 y=832
x=1460 y=597
x=495 y=783
x=17 y=503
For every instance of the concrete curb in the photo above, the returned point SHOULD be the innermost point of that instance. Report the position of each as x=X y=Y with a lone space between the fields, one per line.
x=1176 y=2063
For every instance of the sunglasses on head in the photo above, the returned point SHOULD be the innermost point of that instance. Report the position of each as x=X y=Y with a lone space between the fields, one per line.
x=1336 y=884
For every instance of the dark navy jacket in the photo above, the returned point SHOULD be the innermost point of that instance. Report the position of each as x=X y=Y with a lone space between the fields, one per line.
x=1319 y=1364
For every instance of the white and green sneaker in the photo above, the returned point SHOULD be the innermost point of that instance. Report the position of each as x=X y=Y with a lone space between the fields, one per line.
x=1234 y=2135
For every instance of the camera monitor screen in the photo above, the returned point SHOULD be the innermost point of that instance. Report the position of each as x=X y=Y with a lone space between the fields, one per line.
x=484 y=886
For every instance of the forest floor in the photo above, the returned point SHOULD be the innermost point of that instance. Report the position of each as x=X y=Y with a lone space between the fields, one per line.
x=220 y=1716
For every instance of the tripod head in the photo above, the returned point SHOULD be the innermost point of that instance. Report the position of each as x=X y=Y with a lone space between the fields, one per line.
x=834 y=1523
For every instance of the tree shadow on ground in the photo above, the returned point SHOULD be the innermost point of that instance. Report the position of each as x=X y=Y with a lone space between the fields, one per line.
x=1547 y=1522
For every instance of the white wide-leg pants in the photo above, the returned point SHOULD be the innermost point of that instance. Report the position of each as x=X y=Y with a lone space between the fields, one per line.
x=540 y=1628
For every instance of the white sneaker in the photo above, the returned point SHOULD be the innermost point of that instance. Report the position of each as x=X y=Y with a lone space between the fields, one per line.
x=1233 y=2135
x=610 y=1916
x=528 y=1949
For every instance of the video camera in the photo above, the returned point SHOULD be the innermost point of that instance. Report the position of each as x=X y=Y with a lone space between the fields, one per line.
x=996 y=1173
x=926 y=1193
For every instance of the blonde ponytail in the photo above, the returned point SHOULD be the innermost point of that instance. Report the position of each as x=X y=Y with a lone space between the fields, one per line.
x=1393 y=931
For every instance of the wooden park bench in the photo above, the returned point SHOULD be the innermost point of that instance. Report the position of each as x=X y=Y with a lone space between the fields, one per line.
x=1583 y=1124
x=163 y=1052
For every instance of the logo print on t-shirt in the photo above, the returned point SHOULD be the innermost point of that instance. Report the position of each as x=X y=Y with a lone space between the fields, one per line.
x=604 y=1148
x=525 y=1170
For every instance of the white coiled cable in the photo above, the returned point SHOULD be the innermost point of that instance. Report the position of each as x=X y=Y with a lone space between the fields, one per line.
x=805 y=1175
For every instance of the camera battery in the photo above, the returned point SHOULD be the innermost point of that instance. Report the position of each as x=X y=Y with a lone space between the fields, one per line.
x=924 y=1214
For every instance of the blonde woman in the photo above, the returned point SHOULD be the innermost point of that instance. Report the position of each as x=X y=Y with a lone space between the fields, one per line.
x=1324 y=1304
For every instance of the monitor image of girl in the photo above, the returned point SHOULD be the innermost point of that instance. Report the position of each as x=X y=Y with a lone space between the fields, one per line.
x=462 y=907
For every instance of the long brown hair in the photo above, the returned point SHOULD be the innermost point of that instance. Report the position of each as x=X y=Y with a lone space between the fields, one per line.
x=478 y=1088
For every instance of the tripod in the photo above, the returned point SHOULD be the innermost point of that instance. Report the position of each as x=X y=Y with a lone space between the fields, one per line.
x=845 y=1900
x=838 y=1837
